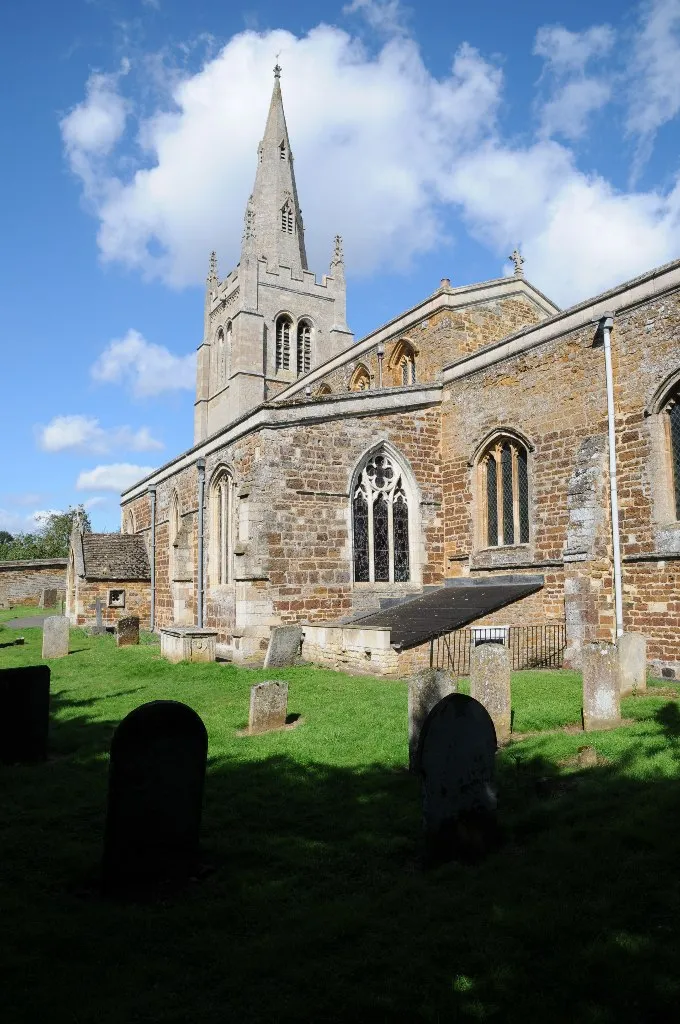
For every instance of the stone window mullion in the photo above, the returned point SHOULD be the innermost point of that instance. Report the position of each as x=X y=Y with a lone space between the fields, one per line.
x=390 y=534
x=515 y=495
x=496 y=455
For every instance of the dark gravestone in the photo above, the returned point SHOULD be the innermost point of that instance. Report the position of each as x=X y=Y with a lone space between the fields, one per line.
x=48 y=599
x=456 y=763
x=24 y=713
x=127 y=631
x=156 y=776
x=284 y=646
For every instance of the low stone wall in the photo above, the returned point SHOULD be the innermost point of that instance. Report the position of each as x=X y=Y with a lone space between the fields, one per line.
x=361 y=651
x=22 y=582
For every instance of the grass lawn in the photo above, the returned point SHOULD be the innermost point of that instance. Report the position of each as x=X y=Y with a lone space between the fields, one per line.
x=317 y=909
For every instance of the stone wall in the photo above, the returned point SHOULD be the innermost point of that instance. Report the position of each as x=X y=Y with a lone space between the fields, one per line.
x=22 y=582
x=137 y=602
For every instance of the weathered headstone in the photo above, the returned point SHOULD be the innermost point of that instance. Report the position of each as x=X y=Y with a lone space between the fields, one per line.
x=99 y=629
x=127 y=631
x=632 y=650
x=284 y=646
x=55 y=637
x=24 y=713
x=156 y=777
x=425 y=689
x=268 y=706
x=456 y=762
x=601 y=687
x=48 y=599
x=490 y=684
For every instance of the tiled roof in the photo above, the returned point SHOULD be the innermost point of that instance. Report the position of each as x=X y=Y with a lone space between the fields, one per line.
x=115 y=556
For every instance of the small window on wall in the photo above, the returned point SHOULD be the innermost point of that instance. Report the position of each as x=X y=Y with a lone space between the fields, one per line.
x=304 y=347
x=504 y=493
x=287 y=219
x=116 y=599
x=402 y=364
x=284 y=327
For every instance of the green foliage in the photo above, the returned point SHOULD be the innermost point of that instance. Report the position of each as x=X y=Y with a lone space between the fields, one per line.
x=49 y=541
x=317 y=909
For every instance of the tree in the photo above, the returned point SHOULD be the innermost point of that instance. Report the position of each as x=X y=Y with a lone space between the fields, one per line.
x=51 y=540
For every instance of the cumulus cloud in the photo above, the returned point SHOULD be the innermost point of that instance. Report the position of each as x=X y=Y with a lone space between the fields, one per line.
x=387 y=16
x=92 y=128
x=573 y=95
x=146 y=368
x=115 y=477
x=84 y=433
x=388 y=155
x=655 y=72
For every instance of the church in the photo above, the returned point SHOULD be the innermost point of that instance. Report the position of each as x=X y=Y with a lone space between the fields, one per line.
x=483 y=449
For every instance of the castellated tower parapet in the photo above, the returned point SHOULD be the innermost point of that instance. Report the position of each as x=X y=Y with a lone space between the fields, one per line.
x=270 y=320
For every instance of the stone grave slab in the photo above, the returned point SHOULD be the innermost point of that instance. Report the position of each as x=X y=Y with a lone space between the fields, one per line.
x=284 y=646
x=601 y=687
x=99 y=629
x=268 y=706
x=24 y=713
x=48 y=598
x=188 y=643
x=425 y=689
x=127 y=631
x=455 y=759
x=55 y=637
x=490 y=684
x=632 y=648
x=155 y=797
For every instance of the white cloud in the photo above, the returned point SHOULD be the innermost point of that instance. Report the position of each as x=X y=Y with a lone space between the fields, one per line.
x=146 y=368
x=573 y=95
x=84 y=433
x=92 y=128
x=655 y=72
x=386 y=16
x=115 y=477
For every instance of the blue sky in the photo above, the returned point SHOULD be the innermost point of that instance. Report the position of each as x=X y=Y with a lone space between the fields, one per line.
x=433 y=137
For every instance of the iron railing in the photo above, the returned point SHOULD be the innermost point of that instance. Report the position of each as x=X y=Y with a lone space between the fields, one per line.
x=530 y=646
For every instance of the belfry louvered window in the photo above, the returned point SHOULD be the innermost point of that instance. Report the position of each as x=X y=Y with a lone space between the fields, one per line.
x=283 y=328
x=673 y=413
x=380 y=521
x=504 y=492
x=220 y=551
x=304 y=347
x=287 y=219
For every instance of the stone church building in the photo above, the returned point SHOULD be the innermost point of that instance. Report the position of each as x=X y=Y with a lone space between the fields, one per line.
x=468 y=441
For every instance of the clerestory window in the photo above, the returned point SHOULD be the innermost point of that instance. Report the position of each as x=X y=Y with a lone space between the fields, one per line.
x=504 y=491
x=304 y=347
x=283 y=330
x=380 y=519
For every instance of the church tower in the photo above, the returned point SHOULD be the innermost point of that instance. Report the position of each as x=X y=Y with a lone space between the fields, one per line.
x=269 y=321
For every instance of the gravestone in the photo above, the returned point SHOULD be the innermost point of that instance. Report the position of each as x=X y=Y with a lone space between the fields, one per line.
x=55 y=637
x=153 y=818
x=456 y=762
x=48 y=599
x=99 y=629
x=24 y=713
x=127 y=631
x=632 y=650
x=425 y=689
x=268 y=706
x=284 y=646
x=490 y=684
x=601 y=687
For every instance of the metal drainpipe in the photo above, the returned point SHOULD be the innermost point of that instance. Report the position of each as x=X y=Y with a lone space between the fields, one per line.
x=152 y=493
x=201 y=499
x=381 y=353
x=606 y=323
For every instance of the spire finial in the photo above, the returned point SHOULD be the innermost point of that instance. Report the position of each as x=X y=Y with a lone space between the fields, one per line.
x=277 y=68
x=337 y=257
x=518 y=260
x=212 y=271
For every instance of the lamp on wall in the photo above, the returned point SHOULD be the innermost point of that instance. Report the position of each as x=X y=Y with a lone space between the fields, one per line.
x=381 y=353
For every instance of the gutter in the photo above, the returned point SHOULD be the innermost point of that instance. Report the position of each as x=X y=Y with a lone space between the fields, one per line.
x=152 y=616
x=200 y=464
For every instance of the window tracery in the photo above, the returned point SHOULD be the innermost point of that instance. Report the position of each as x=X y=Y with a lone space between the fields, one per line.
x=283 y=329
x=361 y=379
x=381 y=523
x=221 y=506
x=504 y=491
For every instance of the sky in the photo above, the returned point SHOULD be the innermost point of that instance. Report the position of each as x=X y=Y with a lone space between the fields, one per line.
x=434 y=138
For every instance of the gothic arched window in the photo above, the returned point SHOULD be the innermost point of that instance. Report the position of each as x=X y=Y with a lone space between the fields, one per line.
x=323 y=390
x=304 y=347
x=283 y=329
x=221 y=516
x=403 y=364
x=672 y=412
x=361 y=379
x=503 y=469
x=219 y=358
x=287 y=218
x=129 y=522
x=380 y=522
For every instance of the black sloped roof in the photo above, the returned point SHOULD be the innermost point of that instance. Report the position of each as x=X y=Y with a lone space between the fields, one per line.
x=447 y=608
x=115 y=556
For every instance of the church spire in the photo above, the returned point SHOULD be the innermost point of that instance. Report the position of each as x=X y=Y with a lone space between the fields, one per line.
x=273 y=209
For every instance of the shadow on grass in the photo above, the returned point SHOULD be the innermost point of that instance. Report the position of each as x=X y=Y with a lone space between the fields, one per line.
x=318 y=910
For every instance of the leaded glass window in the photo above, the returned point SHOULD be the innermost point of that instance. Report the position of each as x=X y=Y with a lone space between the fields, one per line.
x=381 y=523
x=221 y=504
x=674 y=418
x=504 y=480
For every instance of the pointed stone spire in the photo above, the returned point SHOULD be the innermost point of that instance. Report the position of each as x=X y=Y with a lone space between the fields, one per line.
x=273 y=216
